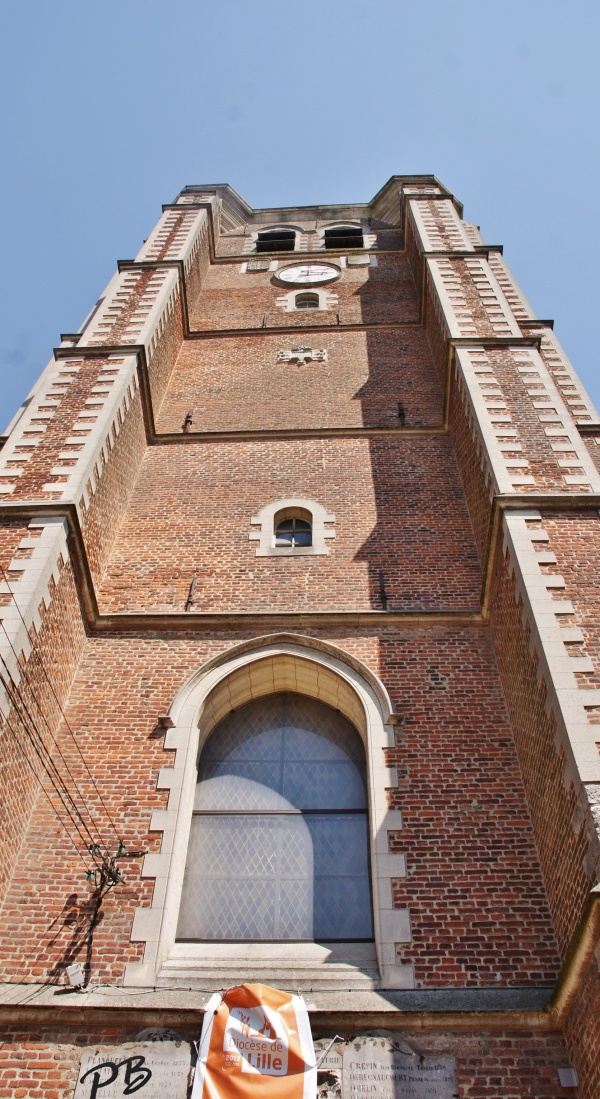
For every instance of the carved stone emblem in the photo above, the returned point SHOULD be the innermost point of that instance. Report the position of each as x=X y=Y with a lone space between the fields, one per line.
x=302 y=355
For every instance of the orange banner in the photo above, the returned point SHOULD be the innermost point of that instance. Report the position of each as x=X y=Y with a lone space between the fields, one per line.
x=256 y=1042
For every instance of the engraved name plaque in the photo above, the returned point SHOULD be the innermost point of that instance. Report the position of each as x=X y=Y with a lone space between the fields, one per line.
x=381 y=1068
x=153 y=1070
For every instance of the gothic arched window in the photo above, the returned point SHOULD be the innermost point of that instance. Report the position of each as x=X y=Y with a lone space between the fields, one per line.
x=279 y=842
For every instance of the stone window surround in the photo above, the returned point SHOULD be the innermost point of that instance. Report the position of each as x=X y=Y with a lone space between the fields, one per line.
x=252 y=670
x=283 y=509
x=287 y=302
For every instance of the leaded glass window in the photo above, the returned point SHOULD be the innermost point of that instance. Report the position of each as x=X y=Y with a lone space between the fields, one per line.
x=279 y=841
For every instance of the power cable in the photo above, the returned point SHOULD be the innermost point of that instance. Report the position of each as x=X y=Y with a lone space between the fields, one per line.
x=57 y=700
x=51 y=771
x=53 y=736
x=39 y=779
x=18 y=695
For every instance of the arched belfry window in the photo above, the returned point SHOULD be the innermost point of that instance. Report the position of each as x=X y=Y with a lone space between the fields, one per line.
x=276 y=240
x=278 y=847
x=341 y=237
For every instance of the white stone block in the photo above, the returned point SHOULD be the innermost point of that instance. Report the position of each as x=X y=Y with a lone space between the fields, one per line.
x=394 y=925
x=146 y=925
x=391 y=864
x=398 y=976
x=156 y=865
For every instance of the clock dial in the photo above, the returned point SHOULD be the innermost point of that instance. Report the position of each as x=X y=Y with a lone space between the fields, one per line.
x=308 y=274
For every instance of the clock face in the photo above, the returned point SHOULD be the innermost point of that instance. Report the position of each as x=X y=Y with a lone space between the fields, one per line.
x=308 y=274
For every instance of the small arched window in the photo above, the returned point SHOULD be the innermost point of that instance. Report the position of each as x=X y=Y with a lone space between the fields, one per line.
x=293 y=532
x=307 y=301
x=276 y=240
x=292 y=528
x=342 y=237
x=279 y=842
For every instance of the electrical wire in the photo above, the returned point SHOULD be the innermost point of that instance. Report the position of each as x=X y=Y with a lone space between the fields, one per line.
x=55 y=743
x=45 y=759
x=38 y=778
x=61 y=794
x=16 y=693
x=58 y=703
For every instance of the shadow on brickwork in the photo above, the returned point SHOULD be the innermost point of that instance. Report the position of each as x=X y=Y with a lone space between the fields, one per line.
x=388 y=294
x=74 y=933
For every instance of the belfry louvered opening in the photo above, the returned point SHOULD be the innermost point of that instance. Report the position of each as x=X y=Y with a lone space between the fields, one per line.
x=341 y=237
x=276 y=240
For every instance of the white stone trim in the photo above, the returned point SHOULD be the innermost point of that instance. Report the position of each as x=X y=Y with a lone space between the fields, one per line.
x=426 y=213
x=447 y=279
x=93 y=430
x=265 y=520
x=512 y=291
x=187 y=229
x=145 y=326
x=565 y=377
x=473 y=370
x=250 y=671
x=566 y=698
x=488 y=415
x=47 y=552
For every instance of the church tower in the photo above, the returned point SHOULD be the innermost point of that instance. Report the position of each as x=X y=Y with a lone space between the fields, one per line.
x=300 y=660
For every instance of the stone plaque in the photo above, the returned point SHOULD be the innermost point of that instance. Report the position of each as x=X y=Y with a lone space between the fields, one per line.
x=380 y=1067
x=329 y=1068
x=151 y=1070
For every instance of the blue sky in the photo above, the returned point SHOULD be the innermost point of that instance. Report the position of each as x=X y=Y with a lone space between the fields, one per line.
x=109 y=109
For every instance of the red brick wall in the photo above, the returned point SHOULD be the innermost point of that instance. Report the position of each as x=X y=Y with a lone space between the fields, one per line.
x=63 y=422
x=479 y=914
x=413 y=249
x=436 y=330
x=57 y=647
x=230 y=299
x=475 y=474
x=398 y=505
x=101 y=520
x=236 y=383
x=582 y=1032
x=12 y=531
x=489 y=867
x=478 y=910
x=561 y=842
x=164 y=355
x=503 y=1065
x=575 y=540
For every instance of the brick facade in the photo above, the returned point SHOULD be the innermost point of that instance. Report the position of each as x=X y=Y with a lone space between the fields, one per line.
x=458 y=595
